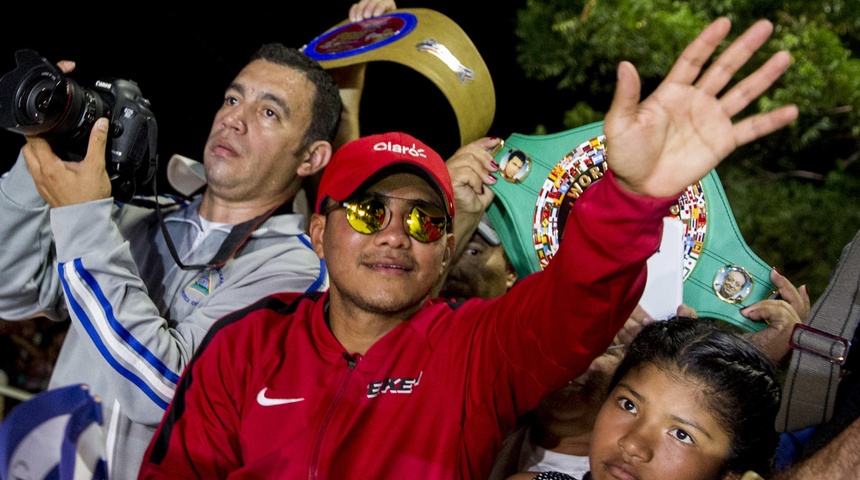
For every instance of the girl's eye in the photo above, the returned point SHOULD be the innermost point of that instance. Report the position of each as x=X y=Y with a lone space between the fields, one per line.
x=627 y=405
x=270 y=113
x=682 y=436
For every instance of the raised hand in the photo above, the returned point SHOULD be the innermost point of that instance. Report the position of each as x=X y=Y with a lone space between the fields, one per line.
x=369 y=9
x=684 y=129
x=470 y=168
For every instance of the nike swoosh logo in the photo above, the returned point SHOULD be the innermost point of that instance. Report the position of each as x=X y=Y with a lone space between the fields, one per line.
x=265 y=401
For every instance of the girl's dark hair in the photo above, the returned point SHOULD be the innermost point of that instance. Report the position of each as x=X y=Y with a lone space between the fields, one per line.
x=326 y=105
x=741 y=385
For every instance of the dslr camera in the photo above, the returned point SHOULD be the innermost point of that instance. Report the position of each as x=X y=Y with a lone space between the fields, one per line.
x=37 y=99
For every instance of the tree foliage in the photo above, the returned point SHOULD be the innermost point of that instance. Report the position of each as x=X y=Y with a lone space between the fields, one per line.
x=794 y=193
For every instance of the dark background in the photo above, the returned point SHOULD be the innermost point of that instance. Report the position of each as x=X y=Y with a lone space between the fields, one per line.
x=183 y=57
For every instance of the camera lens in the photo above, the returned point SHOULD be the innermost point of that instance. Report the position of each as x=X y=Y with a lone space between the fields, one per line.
x=42 y=101
x=46 y=103
x=65 y=111
x=37 y=99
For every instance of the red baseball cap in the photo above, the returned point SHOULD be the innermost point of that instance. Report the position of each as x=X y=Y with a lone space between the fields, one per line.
x=357 y=161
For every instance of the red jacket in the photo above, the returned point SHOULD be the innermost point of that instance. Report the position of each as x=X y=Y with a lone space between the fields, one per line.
x=272 y=394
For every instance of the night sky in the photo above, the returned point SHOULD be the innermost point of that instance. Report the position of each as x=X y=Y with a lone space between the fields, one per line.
x=183 y=58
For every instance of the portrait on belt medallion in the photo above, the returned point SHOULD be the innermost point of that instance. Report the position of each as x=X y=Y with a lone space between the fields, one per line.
x=733 y=284
x=515 y=166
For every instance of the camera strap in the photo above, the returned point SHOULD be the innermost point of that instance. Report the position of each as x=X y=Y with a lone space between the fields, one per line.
x=237 y=237
x=821 y=346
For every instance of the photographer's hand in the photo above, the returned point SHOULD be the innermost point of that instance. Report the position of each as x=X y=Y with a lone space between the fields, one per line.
x=63 y=183
x=66 y=65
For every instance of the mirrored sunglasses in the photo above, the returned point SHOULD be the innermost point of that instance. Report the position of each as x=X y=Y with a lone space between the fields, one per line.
x=370 y=213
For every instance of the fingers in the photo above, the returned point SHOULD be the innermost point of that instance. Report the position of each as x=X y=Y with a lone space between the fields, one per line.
x=96 y=145
x=682 y=130
x=757 y=126
x=686 y=311
x=625 y=100
x=63 y=183
x=781 y=319
x=370 y=8
x=797 y=298
x=470 y=168
x=776 y=313
x=748 y=89
x=44 y=166
x=720 y=73
x=637 y=321
x=687 y=68
x=476 y=157
x=66 y=66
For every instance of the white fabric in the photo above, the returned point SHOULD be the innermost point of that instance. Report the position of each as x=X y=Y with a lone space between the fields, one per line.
x=538 y=459
x=185 y=175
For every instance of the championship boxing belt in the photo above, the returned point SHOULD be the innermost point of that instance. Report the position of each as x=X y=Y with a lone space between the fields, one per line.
x=427 y=42
x=532 y=204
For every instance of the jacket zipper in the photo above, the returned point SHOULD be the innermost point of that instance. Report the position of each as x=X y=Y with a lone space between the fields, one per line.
x=351 y=361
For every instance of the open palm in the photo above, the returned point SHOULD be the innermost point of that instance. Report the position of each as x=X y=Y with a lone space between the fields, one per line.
x=684 y=129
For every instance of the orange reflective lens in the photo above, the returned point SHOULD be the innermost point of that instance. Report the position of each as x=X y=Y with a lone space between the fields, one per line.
x=369 y=214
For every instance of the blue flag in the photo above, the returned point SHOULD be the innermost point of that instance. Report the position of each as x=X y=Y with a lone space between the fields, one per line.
x=56 y=435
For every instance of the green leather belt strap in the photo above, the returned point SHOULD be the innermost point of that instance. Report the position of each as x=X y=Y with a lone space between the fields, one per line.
x=513 y=210
x=548 y=172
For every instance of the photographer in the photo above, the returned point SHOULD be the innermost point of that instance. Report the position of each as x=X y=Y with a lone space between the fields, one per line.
x=137 y=313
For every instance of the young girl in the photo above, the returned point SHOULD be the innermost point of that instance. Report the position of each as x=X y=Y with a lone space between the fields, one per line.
x=692 y=399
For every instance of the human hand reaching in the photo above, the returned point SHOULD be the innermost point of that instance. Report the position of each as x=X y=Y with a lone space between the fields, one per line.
x=369 y=9
x=470 y=167
x=637 y=321
x=350 y=78
x=781 y=315
x=685 y=128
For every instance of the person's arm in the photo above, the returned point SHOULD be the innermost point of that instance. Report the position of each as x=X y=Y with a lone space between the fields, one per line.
x=838 y=460
x=350 y=78
x=30 y=285
x=658 y=147
x=350 y=81
x=103 y=259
